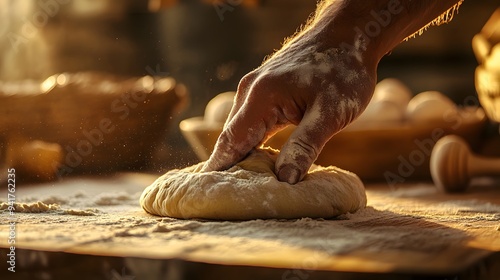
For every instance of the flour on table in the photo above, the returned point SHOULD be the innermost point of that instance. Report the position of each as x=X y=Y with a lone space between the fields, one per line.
x=107 y=199
x=250 y=190
x=42 y=207
x=34 y=207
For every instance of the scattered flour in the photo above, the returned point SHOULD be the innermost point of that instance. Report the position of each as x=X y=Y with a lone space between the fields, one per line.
x=42 y=207
x=107 y=199
x=34 y=207
x=88 y=212
x=471 y=206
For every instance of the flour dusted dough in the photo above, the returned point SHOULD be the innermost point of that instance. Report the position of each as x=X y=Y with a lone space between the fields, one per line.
x=250 y=190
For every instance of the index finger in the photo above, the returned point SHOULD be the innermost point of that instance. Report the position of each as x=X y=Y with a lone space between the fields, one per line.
x=245 y=130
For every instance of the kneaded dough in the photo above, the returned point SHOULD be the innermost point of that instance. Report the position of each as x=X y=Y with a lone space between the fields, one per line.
x=250 y=190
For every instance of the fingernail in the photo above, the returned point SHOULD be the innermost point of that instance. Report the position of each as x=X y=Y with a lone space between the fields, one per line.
x=289 y=175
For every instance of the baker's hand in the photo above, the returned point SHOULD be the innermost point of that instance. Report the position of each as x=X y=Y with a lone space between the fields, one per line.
x=313 y=82
x=321 y=80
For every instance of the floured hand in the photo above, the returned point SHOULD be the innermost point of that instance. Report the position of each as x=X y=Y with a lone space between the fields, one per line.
x=311 y=82
x=320 y=80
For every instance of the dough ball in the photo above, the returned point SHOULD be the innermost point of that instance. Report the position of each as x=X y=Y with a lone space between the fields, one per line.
x=250 y=190
x=219 y=108
x=381 y=112
x=392 y=90
x=430 y=106
x=387 y=106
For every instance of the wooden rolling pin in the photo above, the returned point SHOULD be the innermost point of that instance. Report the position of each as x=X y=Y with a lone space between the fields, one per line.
x=452 y=164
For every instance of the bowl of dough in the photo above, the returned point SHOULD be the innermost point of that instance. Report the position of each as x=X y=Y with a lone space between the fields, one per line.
x=392 y=140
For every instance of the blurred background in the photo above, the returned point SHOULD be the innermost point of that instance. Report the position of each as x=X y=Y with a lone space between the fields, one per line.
x=206 y=46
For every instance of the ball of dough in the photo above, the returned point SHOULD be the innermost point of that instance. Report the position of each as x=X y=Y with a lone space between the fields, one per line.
x=250 y=190
x=430 y=106
x=381 y=112
x=387 y=105
x=219 y=108
x=392 y=90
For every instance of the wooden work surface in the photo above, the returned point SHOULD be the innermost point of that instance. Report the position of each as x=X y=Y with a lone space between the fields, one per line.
x=412 y=229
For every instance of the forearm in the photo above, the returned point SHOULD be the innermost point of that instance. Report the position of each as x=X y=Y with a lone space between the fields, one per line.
x=417 y=15
x=380 y=24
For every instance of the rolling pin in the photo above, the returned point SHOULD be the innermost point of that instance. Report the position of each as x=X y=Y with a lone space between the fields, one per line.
x=452 y=164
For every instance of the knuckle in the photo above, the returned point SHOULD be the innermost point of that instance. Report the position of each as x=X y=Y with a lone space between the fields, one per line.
x=258 y=79
x=246 y=81
x=304 y=151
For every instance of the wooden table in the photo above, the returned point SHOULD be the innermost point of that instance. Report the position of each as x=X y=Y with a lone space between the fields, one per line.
x=100 y=231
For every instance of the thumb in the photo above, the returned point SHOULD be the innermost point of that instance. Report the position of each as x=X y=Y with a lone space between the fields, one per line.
x=303 y=147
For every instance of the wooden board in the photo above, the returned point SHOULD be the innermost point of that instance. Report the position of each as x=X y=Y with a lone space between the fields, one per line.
x=413 y=229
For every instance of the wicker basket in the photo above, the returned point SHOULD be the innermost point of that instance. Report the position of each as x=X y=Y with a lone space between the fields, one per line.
x=100 y=121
